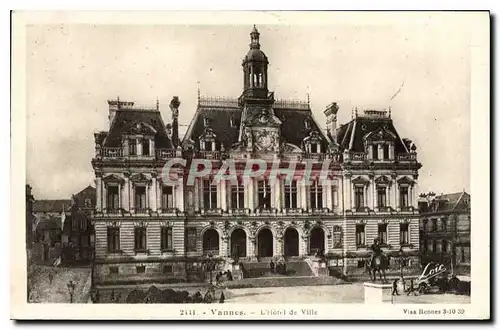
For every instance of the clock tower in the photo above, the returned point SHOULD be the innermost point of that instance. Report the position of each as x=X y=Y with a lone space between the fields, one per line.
x=260 y=128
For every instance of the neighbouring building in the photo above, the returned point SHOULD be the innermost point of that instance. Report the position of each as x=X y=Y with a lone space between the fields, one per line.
x=150 y=230
x=50 y=216
x=78 y=231
x=445 y=230
x=30 y=217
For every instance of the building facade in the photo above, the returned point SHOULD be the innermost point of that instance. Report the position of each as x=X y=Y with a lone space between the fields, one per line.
x=445 y=230
x=350 y=185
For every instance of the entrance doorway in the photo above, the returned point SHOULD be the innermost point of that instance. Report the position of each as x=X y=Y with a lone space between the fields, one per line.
x=265 y=243
x=211 y=242
x=291 y=242
x=316 y=241
x=238 y=243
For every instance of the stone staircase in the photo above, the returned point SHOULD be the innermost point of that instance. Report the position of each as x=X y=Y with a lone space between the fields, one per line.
x=261 y=268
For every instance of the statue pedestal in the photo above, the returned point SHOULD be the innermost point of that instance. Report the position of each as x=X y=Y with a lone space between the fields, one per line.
x=377 y=293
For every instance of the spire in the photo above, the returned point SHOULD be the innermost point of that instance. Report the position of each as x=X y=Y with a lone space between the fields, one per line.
x=199 y=93
x=157 y=103
x=254 y=37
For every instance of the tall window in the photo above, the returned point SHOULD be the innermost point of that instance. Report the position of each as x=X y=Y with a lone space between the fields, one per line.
x=132 y=147
x=425 y=223
x=444 y=246
x=462 y=255
x=208 y=145
x=382 y=233
x=316 y=195
x=145 y=147
x=434 y=225
x=113 y=239
x=337 y=236
x=434 y=246
x=191 y=239
x=403 y=236
x=360 y=235
x=359 y=197
x=264 y=194
x=167 y=198
x=167 y=238
x=381 y=197
x=375 y=151
x=444 y=225
x=424 y=246
x=113 y=199
x=335 y=197
x=209 y=195
x=140 y=238
x=237 y=196
x=140 y=198
x=291 y=195
x=314 y=148
x=386 y=151
x=403 y=196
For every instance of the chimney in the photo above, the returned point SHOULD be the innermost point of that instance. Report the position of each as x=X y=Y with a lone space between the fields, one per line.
x=174 y=107
x=331 y=120
x=114 y=106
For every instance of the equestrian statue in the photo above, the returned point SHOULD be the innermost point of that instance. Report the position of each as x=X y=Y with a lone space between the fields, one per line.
x=378 y=262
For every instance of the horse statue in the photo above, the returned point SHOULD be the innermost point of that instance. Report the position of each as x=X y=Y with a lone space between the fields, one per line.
x=377 y=264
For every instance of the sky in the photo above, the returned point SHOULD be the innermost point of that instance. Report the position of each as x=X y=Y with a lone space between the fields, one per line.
x=73 y=69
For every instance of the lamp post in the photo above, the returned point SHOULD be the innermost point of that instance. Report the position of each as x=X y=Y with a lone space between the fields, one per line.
x=71 y=290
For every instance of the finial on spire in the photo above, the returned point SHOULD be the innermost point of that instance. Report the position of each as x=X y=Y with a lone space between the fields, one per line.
x=308 y=100
x=118 y=102
x=356 y=112
x=198 y=91
x=254 y=37
x=157 y=103
x=390 y=111
x=352 y=113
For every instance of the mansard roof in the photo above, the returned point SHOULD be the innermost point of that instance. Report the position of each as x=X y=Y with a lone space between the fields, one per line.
x=51 y=205
x=137 y=121
x=351 y=135
x=450 y=202
x=219 y=112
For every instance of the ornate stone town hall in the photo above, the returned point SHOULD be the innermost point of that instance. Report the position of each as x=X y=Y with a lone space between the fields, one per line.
x=149 y=230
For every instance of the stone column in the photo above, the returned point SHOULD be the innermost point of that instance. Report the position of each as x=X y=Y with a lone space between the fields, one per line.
x=119 y=195
x=396 y=193
x=125 y=147
x=370 y=152
x=366 y=195
x=351 y=190
x=329 y=196
x=223 y=194
x=277 y=193
x=250 y=188
x=132 y=196
x=138 y=147
x=159 y=191
x=179 y=196
x=154 y=192
x=104 y=195
x=98 y=193
x=374 y=194
x=152 y=147
x=126 y=193
x=197 y=194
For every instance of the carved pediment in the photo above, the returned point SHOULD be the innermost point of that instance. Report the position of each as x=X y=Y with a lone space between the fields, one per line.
x=360 y=180
x=383 y=134
x=140 y=177
x=405 y=180
x=113 y=178
x=267 y=140
x=382 y=180
x=264 y=117
x=141 y=128
x=208 y=135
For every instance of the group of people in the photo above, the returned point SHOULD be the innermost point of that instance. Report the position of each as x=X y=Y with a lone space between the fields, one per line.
x=412 y=290
x=278 y=268
x=220 y=275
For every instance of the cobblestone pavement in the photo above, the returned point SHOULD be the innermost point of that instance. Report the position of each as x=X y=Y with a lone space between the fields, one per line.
x=42 y=291
x=346 y=293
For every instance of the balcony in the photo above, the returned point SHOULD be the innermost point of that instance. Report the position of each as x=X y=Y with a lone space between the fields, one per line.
x=112 y=152
x=212 y=155
x=165 y=153
x=409 y=157
x=293 y=211
x=169 y=210
x=355 y=156
x=141 y=210
x=383 y=209
x=119 y=153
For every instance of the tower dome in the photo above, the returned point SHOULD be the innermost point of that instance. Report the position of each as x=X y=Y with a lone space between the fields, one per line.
x=255 y=67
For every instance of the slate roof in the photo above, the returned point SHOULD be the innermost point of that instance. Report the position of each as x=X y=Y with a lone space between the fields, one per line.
x=453 y=202
x=219 y=116
x=125 y=122
x=354 y=131
x=48 y=222
x=51 y=205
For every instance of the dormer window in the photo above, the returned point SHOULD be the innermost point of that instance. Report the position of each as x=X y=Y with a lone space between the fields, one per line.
x=206 y=121
x=314 y=148
x=145 y=147
x=307 y=124
x=386 y=151
x=132 y=147
x=209 y=145
x=232 y=122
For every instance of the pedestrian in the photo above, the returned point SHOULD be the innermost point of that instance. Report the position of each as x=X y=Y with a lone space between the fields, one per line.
x=272 y=266
x=222 y=298
x=229 y=275
x=411 y=289
x=112 y=296
x=395 y=288
x=51 y=277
